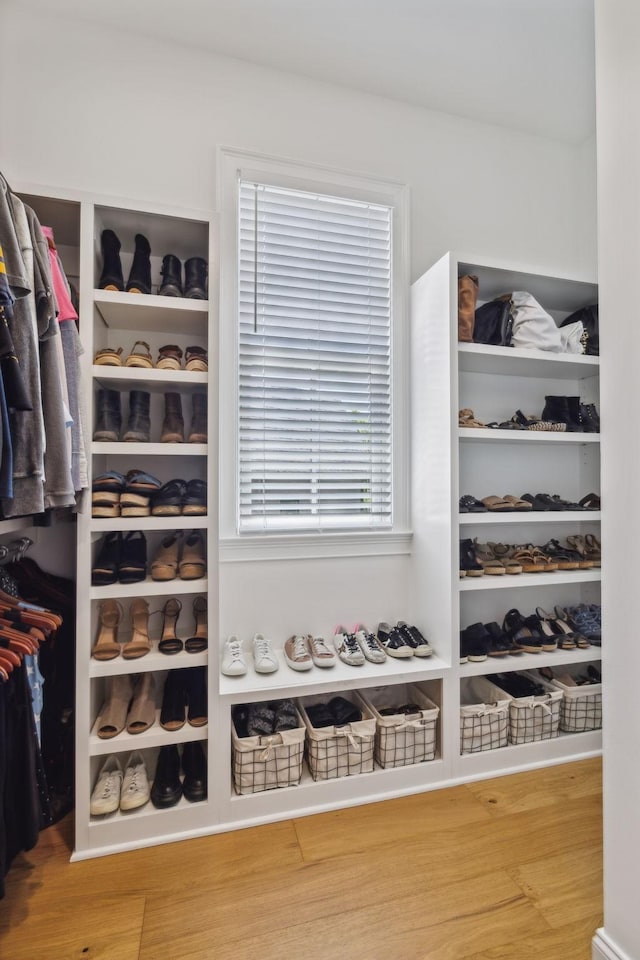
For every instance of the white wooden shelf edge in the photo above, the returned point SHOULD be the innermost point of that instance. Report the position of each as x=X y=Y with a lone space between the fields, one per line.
x=530 y=516
x=152 y=662
x=122 y=449
x=528 y=661
x=149 y=588
x=514 y=582
x=155 y=736
x=150 y=300
x=487 y=435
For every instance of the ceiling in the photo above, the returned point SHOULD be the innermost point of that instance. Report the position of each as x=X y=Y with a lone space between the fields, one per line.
x=526 y=64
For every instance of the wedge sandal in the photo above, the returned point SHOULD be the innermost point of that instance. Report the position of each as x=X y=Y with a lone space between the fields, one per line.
x=196 y=359
x=169 y=357
x=164 y=565
x=502 y=553
x=484 y=556
x=108 y=357
x=140 y=358
x=192 y=565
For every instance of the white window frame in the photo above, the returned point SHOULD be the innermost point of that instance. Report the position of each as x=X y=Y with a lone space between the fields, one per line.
x=233 y=165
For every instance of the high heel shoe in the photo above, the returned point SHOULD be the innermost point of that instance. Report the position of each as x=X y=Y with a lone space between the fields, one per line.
x=113 y=715
x=139 y=645
x=169 y=642
x=106 y=646
x=199 y=640
x=165 y=562
x=192 y=565
x=142 y=712
x=564 y=636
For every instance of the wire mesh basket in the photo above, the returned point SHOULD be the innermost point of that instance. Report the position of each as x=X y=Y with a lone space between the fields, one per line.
x=484 y=715
x=581 y=707
x=339 y=751
x=267 y=762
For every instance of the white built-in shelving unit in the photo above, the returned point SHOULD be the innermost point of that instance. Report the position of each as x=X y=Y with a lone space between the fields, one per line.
x=449 y=462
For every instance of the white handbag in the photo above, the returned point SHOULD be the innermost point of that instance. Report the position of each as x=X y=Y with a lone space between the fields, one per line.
x=533 y=327
x=573 y=337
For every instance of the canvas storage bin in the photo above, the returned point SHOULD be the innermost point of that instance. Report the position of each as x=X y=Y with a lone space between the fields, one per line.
x=265 y=763
x=581 y=707
x=402 y=739
x=339 y=751
x=535 y=718
x=484 y=715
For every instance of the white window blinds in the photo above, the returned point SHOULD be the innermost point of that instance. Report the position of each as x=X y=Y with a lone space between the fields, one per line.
x=314 y=402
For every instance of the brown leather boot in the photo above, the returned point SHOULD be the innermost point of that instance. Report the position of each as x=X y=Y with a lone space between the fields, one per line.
x=173 y=424
x=467 y=297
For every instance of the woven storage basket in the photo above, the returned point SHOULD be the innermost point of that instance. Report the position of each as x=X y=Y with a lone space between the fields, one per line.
x=484 y=715
x=339 y=751
x=265 y=763
x=535 y=718
x=581 y=707
x=402 y=739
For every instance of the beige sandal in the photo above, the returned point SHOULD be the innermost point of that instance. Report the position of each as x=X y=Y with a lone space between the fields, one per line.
x=485 y=557
x=165 y=562
x=497 y=504
x=169 y=357
x=108 y=357
x=517 y=504
x=196 y=359
x=192 y=565
x=139 y=645
x=525 y=558
x=139 y=358
x=106 y=646
x=501 y=552
x=466 y=418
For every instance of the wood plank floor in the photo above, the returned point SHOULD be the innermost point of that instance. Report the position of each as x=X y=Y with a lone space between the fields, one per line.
x=505 y=869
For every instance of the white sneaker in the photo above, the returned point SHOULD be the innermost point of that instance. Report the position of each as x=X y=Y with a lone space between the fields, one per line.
x=347 y=647
x=297 y=654
x=135 y=786
x=321 y=655
x=369 y=645
x=106 y=793
x=233 y=661
x=264 y=658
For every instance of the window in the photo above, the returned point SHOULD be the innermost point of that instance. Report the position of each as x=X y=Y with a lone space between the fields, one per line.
x=314 y=388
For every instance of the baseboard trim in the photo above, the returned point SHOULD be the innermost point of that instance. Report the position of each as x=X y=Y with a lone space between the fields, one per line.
x=603 y=948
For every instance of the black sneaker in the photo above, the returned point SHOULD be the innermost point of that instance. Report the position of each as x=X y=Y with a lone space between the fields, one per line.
x=475 y=643
x=418 y=643
x=393 y=641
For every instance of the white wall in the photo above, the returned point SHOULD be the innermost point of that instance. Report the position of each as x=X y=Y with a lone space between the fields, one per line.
x=113 y=113
x=618 y=95
x=117 y=114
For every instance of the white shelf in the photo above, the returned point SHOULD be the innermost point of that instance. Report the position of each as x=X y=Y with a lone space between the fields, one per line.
x=149 y=588
x=136 y=378
x=516 y=362
x=286 y=682
x=121 y=449
x=149 y=312
x=487 y=435
x=528 y=661
x=155 y=736
x=530 y=516
x=119 y=818
x=152 y=662
x=98 y=525
x=564 y=748
x=509 y=581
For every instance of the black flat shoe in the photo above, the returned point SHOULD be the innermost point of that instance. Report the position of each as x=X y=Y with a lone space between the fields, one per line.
x=194 y=764
x=105 y=569
x=167 y=501
x=132 y=567
x=469 y=504
x=167 y=789
x=194 y=503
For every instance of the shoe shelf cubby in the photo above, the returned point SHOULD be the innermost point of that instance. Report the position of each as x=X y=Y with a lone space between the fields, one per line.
x=116 y=319
x=494 y=382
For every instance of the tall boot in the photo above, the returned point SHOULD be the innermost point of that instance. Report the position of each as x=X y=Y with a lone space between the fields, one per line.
x=171 y=271
x=195 y=278
x=467 y=299
x=198 y=431
x=140 y=274
x=173 y=423
x=139 y=423
x=108 y=416
x=111 y=277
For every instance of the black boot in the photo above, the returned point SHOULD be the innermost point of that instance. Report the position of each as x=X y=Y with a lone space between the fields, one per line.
x=111 y=277
x=198 y=431
x=194 y=764
x=167 y=789
x=556 y=409
x=590 y=417
x=139 y=424
x=140 y=274
x=171 y=285
x=108 y=416
x=575 y=413
x=195 y=278
x=196 y=696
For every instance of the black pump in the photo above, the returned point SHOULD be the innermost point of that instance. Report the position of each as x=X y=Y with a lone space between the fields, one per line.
x=140 y=275
x=111 y=277
x=171 y=271
x=195 y=278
